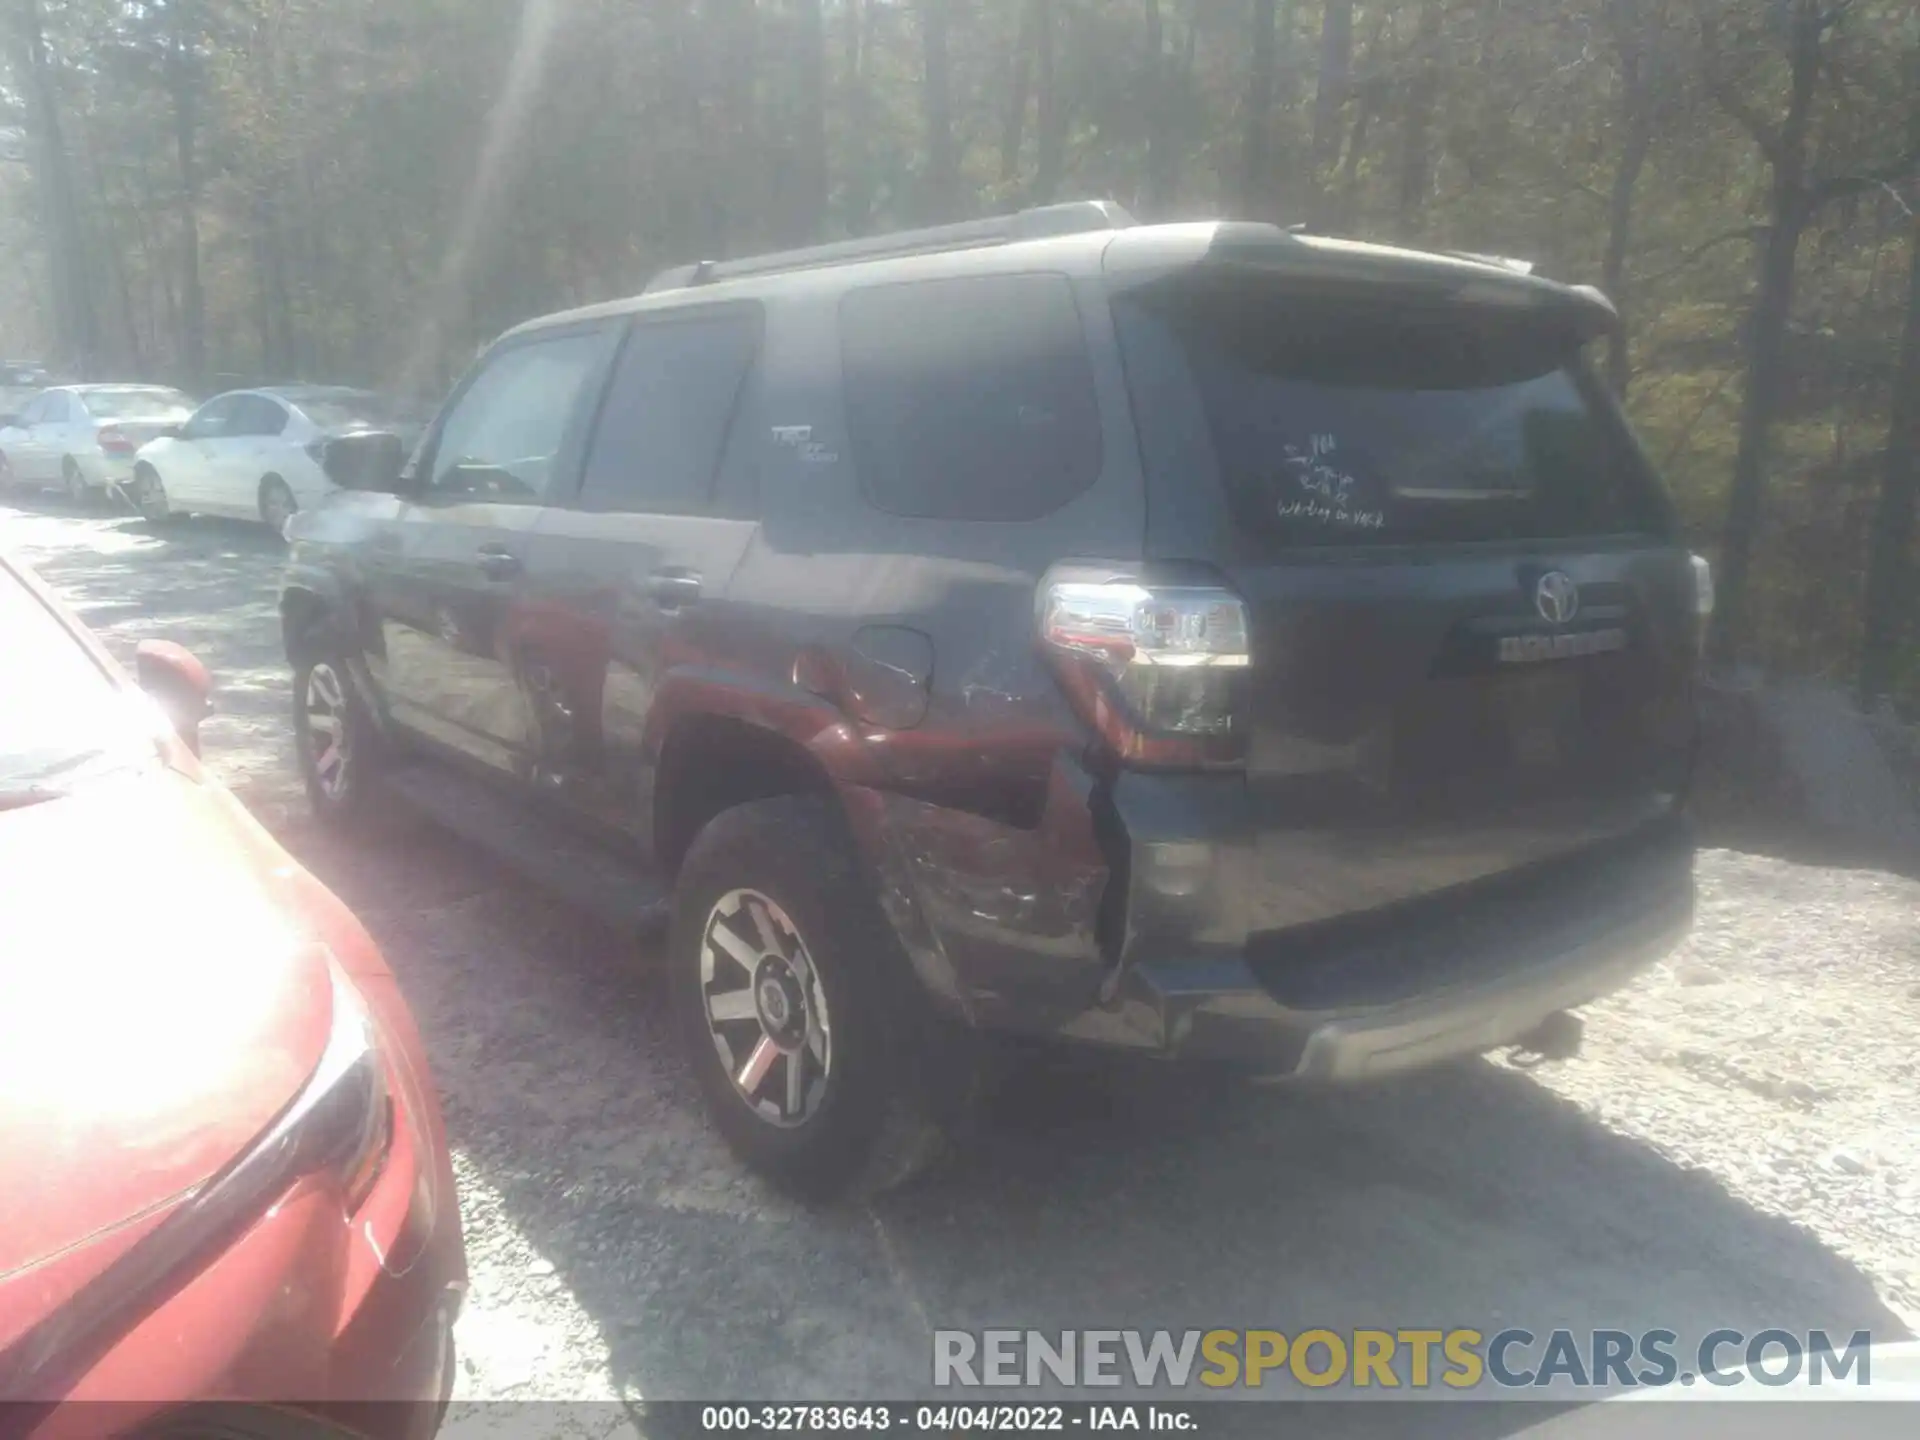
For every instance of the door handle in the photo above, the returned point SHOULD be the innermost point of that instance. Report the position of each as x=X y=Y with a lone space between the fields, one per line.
x=671 y=589
x=498 y=563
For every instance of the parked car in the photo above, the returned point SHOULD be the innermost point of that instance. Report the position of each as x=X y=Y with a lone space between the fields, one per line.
x=83 y=437
x=255 y=454
x=223 y=1171
x=1202 y=640
x=20 y=381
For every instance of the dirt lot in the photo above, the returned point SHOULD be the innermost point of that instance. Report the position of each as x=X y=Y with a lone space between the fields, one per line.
x=1738 y=1146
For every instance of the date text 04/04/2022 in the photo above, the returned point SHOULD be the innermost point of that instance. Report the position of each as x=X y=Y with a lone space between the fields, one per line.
x=944 y=1419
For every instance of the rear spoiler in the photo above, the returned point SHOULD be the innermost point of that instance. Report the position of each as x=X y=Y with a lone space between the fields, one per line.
x=1330 y=267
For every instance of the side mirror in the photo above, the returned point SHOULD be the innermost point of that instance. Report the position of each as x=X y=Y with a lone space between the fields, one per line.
x=176 y=679
x=370 y=460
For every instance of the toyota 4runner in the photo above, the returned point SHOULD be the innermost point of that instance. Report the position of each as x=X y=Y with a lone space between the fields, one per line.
x=1206 y=640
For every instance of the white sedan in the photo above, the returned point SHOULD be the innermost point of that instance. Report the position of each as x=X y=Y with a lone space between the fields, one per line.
x=83 y=437
x=255 y=454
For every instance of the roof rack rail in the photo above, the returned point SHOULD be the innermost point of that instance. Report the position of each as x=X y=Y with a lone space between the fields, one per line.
x=1071 y=217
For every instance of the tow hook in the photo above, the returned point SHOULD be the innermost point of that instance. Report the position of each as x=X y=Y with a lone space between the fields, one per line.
x=1555 y=1038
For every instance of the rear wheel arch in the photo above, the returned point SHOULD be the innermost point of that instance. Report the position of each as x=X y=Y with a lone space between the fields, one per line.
x=709 y=764
x=309 y=624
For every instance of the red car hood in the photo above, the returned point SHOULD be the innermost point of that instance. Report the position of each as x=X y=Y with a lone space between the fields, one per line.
x=158 y=1005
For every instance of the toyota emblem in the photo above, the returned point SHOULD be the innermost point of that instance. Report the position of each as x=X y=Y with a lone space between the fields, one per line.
x=1556 y=597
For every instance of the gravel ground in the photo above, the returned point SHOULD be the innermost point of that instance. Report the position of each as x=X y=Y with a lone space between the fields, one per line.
x=1736 y=1146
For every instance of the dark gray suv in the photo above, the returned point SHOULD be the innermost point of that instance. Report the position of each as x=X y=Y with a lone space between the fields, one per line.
x=1206 y=640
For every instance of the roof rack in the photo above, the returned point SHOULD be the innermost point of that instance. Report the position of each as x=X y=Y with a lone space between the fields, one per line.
x=1072 y=217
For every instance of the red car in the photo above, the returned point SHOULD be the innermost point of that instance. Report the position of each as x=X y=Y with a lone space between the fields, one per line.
x=224 y=1176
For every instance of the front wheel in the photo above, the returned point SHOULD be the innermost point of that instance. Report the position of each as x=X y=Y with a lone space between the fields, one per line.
x=337 y=743
x=150 y=496
x=793 y=1001
x=277 y=505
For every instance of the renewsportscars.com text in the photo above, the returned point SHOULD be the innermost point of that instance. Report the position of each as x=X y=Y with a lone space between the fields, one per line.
x=1461 y=1359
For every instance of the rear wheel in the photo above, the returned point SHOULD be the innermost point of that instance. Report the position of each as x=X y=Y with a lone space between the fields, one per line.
x=277 y=505
x=337 y=742
x=74 y=482
x=795 y=1004
x=150 y=495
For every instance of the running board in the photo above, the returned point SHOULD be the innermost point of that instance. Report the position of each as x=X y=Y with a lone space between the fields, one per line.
x=621 y=893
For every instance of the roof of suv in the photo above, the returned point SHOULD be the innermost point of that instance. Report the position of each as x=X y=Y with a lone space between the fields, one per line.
x=1086 y=239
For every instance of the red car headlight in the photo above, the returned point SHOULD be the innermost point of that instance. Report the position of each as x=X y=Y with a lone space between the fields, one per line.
x=351 y=1126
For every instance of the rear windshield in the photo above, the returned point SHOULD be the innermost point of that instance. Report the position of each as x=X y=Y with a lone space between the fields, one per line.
x=350 y=411
x=134 y=404
x=1354 y=424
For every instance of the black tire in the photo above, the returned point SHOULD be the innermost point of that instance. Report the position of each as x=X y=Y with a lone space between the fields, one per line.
x=872 y=1124
x=350 y=797
x=150 y=495
x=277 y=500
x=75 y=483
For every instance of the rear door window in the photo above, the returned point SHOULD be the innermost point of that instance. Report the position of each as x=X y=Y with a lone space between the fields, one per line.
x=972 y=398
x=257 y=415
x=1345 y=423
x=666 y=416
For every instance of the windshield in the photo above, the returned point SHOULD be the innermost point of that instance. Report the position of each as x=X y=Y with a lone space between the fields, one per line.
x=134 y=404
x=62 y=718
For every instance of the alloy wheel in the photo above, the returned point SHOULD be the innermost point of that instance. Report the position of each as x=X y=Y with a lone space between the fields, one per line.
x=326 y=714
x=765 y=1008
x=150 y=495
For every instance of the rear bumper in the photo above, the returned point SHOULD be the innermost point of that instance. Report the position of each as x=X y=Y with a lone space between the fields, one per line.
x=1090 y=928
x=101 y=470
x=1241 y=1022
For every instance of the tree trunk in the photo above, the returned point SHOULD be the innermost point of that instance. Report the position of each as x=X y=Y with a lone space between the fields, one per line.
x=1050 y=111
x=75 y=328
x=942 y=200
x=1423 y=89
x=1162 y=167
x=1766 y=347
x=1256 y=145
x=1891 y=599
x=1330 y=92
x=1638 y=130
x=855 y=43
x=133 y=353
x=810 y=179
x=182 y=87
x=1013 y=133
x=1786 y=150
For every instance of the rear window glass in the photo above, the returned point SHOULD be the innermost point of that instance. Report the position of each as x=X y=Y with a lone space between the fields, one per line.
x=1343 y=424
x=970 y=399
x=134 y=404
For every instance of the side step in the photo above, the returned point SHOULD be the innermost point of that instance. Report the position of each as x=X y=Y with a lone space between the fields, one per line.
x=619 y=892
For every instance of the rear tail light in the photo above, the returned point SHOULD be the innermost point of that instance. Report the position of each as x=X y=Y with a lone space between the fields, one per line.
x=1159 y=671
x=1702 y=587
x=116 y=442
x=1702 y=597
